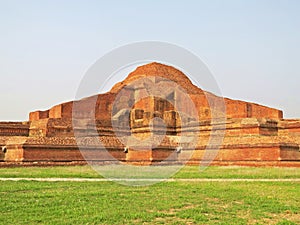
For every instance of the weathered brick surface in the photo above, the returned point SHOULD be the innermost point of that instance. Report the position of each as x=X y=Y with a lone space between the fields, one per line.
x=253 y=133
x=38 y=115
x=14 y=153
x=14 y=128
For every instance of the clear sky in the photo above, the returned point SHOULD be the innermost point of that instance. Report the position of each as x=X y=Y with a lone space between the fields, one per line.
x=252 y=47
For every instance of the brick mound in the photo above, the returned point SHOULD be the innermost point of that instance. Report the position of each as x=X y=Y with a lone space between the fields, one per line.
x=254 y=135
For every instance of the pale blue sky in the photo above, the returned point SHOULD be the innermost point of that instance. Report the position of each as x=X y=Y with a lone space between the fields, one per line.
x=252 y=47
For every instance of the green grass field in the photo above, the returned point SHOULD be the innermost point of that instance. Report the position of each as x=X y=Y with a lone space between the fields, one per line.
x=179 y=202
x=185 y=172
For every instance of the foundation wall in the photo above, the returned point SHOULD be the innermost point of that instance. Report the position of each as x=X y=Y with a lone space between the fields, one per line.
x=15 y=153
x=14 y=129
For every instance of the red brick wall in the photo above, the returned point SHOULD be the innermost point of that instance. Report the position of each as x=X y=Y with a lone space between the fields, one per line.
x=67 y=110
x=243 y=154
x=37 y=115
x=56 y=111
x=139 y=155
x=14 y=153
x=103 y=107
x=236 y=109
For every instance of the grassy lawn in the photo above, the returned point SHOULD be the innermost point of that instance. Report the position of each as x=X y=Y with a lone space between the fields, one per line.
x=164 y=203
x=55 y=171
x=238 y=172
x=179 y=202
x=185 y=172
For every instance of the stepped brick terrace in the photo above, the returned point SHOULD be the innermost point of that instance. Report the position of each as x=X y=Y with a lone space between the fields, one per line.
x=250 y=134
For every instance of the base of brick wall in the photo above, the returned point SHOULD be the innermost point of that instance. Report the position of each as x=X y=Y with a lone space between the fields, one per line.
x=194 y=163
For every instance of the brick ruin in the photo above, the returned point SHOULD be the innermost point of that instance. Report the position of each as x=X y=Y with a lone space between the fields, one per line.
x=253 y=134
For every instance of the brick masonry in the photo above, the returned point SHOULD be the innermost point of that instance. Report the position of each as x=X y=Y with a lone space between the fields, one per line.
x=254 y=134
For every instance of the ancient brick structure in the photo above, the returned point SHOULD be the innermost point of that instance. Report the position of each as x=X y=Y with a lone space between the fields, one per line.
x=253 y=134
